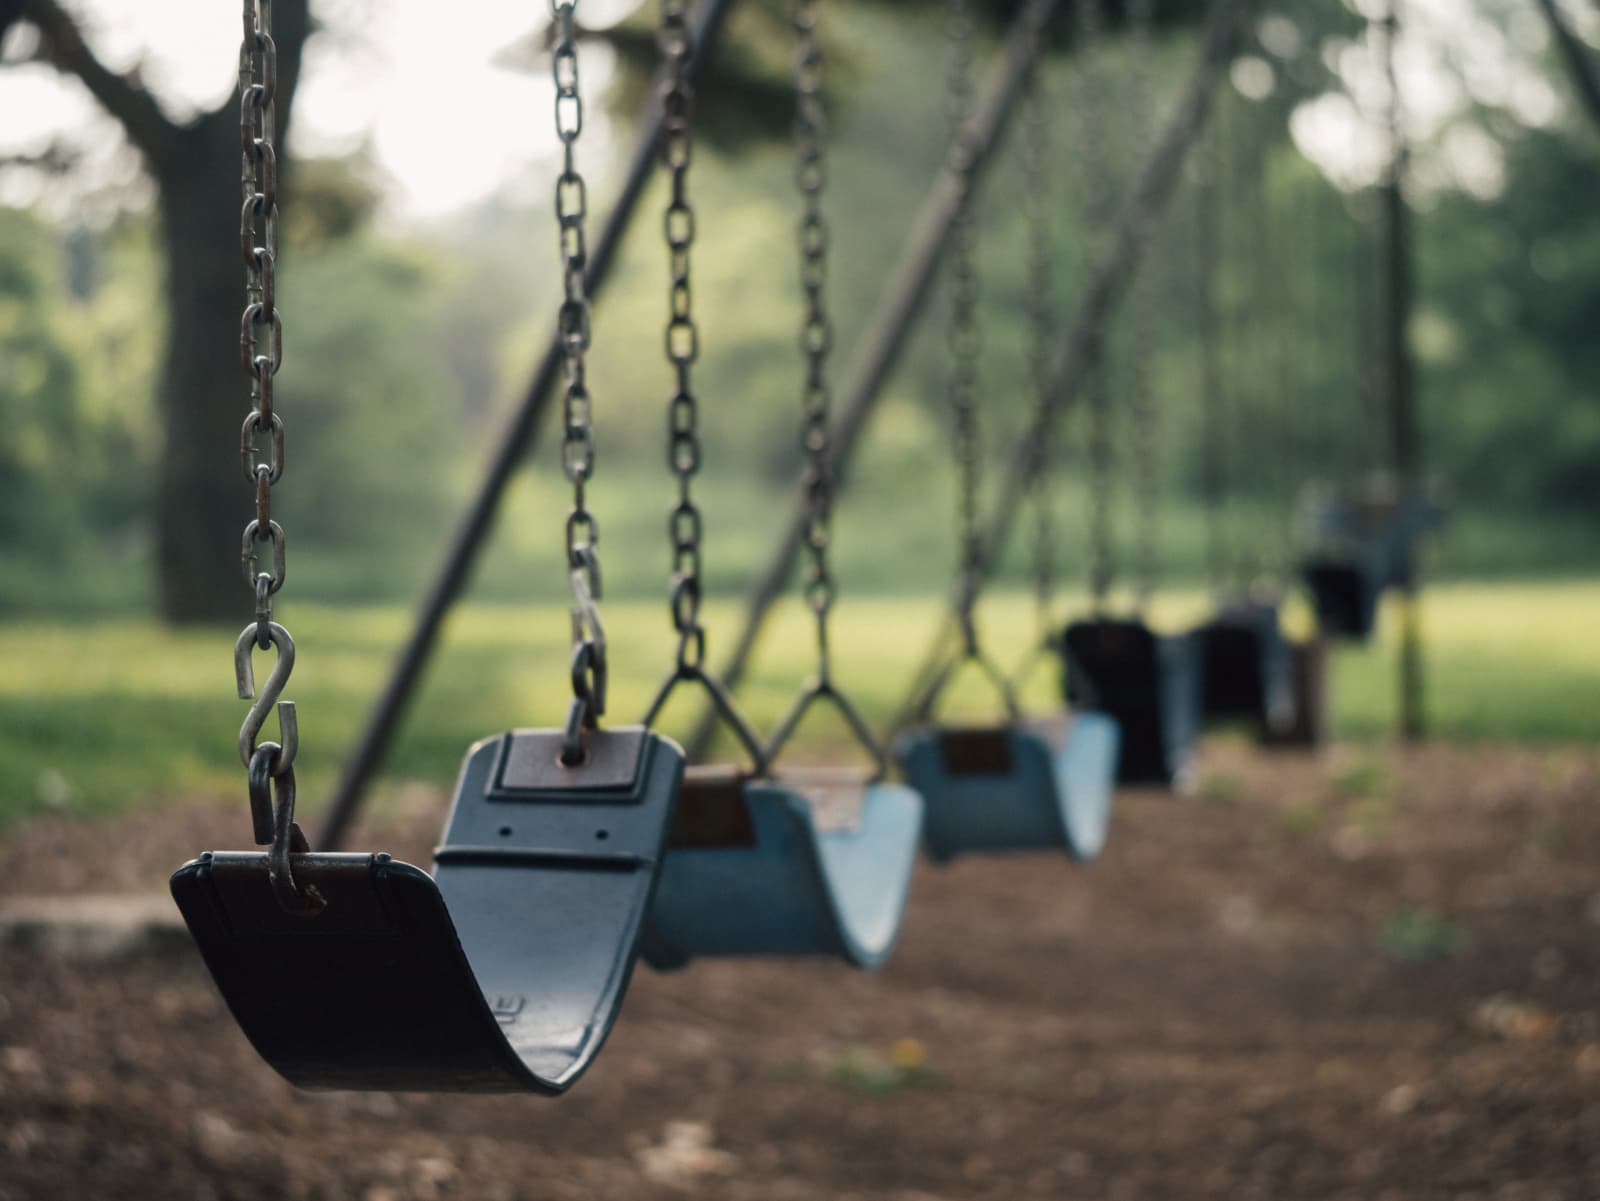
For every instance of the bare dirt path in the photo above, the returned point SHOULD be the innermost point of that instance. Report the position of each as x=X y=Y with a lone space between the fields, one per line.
x=1372 y=975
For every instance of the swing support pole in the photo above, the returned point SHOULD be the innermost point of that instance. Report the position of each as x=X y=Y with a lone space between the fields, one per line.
x=515 y=442
x=1156 y=183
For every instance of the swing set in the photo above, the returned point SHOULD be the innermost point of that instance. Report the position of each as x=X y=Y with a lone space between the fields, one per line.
x=570 y=853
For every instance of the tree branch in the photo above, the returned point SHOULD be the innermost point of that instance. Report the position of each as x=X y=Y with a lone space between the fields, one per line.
x=1580 y=65
x=10 y=13
x=64 y=48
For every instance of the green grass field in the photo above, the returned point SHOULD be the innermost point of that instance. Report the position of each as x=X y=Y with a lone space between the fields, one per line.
x=96 y=718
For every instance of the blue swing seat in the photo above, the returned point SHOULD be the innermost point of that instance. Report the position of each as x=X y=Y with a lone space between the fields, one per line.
x=815 y=862
x=1245 y=667
x=1149 y=683
x=1019 y=786
x=1364 y=546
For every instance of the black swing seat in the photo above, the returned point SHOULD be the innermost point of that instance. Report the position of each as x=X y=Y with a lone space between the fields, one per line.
x=502 y=972
x=1149 y=683
x=1016 y=786
x=1345 y=590
x=1246 y=671
x=816 y=861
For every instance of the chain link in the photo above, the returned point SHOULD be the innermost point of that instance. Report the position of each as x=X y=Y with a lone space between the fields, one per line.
x=577 y=411
x=1213 y=420
x=965 y=341
x=816 y=329
x=1147 y=449
x=263 y=550
x=260 y=326
x=1096 y=200
x=685 y=525
x=1036 y=161
x=1253 y=418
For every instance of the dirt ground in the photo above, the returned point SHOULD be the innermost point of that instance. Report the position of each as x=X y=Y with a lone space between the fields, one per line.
x=1366 y=975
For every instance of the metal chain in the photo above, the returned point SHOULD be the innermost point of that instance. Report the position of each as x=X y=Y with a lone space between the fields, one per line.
x=816 y=343
x=269 y=766
x=261 y=441
x=1253 y=421
x=1096 y=202
x=260 y=327
x=963 y=327
x=1036 y=159
x=589 y=672
x=1147 y=449
x=1213 y=419
x=1234 y=230
x=816 y=329
x=685 y=526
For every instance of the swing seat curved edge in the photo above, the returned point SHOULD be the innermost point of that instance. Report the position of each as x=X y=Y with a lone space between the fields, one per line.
x=1017 y=787
x=776 y=881
x=502 y=972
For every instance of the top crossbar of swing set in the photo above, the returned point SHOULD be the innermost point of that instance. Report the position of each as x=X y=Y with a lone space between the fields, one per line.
x=874 y=358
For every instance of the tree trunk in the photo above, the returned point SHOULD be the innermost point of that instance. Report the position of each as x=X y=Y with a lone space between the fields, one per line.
x=202 y=502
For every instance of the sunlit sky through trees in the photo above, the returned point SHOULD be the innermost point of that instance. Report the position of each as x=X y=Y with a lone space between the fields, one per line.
x=449 y=110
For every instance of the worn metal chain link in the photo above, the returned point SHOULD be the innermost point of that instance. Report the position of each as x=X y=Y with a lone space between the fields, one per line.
x=269 y=766
x=263 y=551
x=963 y=326
x=816 y=328
x=589 y=672
x=1265 y=265
x=1096 y=201
x=685 y=525
x=1213 y=420
x=260 y=327
x=1036 y=162
x=1147 y=449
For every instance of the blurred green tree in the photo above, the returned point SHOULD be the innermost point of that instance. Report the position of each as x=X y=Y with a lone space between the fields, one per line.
x=40 y=394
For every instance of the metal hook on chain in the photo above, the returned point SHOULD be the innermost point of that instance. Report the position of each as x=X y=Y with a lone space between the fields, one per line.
x=244 y=675
x=272 y=789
